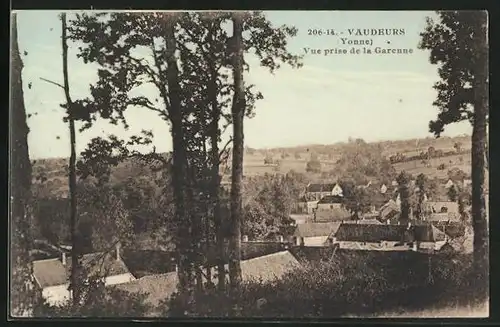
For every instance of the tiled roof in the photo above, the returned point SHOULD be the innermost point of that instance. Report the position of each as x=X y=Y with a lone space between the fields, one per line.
x=330 y=199
x=269 y=267
x=320 y=187
x=316 y=229
x=156 y=287
x=392 y=233
x=49 y=272
x=332 y=215
x=160 y=287
x=52 y=272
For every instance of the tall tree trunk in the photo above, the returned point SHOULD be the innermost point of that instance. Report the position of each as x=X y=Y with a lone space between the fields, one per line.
x=215 y=185
x=479 y=221
x=238 y=113
x=179 y=162
x=21 y=296
x=75 y=239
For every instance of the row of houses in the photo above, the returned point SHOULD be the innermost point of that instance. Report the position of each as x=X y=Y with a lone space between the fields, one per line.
x=260 y=261
x=264 y=261
x=370 y=235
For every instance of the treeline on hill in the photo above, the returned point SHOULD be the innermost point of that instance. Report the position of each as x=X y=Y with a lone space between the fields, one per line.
x=427 y=155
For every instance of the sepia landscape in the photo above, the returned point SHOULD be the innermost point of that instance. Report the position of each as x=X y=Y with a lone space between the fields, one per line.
x=249 y=164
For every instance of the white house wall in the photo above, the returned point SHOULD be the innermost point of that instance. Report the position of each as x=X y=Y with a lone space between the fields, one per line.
x=315 y=241
x=385 y=246
x=119 y=279
x=56 y=295
x=59 y=294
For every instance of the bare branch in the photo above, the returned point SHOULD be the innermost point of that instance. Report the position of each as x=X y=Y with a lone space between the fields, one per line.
x=52 y=82
x=224 y=148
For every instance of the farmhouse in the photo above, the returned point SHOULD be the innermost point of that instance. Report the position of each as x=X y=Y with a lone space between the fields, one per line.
x=388 y=237
x=52 y=275
x=318 y=191
x=314 y=234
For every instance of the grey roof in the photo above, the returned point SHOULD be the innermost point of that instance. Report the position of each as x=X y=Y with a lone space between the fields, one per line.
x=391 y=233
x=155 y=287
x=52 y=272
x=330 y=199
x=316 y=229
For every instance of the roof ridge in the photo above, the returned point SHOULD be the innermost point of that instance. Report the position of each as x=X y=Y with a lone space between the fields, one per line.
x=269 y=255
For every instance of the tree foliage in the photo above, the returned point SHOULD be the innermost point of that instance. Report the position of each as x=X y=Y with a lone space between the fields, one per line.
x=458 y=44
x=165 y=53
x=363 y=162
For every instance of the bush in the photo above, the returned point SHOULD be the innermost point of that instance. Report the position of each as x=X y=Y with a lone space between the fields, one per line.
x=98 y=301
x=353 y=283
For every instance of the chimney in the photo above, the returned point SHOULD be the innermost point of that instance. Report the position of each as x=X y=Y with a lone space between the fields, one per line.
x=64 y=258
x=245 y=238
x=118 y=248
x=176 y=268
x=280 y=238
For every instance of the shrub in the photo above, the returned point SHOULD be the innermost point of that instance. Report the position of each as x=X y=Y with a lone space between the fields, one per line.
x=98 y=301
x=353 y=283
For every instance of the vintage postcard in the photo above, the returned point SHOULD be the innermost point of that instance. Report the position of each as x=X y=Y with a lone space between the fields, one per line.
x=276 y=164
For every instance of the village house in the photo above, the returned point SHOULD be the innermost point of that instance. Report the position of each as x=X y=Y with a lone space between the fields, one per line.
x=448 y=207
x=388 y=237
x=158 y=288
x=306 y=207
x=314 y=234
x=389 y=212
x=318 y=191
x=52 y=275
x=300 y=218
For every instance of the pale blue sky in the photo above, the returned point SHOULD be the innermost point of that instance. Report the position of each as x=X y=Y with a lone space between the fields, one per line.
x=332 y=98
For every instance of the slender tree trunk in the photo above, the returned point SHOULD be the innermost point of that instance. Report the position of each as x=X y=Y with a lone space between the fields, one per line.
x=179 y=162
x=238 y=113
x=75 y=246
x=21 y=296
x=479 y=221
x=215 y=185
x=405 y=205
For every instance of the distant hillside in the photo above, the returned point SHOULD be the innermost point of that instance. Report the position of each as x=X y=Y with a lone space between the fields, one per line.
x=256 y=161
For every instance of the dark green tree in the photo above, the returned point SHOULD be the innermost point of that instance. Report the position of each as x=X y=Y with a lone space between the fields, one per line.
x=421 y=182
x=458 y=43
x=403 y=180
